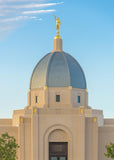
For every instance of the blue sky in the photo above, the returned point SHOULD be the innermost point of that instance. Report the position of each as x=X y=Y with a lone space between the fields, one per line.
x=27 y=29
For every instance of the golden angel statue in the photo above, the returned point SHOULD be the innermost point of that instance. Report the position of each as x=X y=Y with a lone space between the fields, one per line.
x=57 y=22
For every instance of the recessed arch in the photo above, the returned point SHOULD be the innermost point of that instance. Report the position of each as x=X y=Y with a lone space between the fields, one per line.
x=48 y=132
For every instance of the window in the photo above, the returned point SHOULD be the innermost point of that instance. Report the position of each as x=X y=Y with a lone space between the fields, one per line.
x=36 y=99
x=57 y=98
x=78 y=99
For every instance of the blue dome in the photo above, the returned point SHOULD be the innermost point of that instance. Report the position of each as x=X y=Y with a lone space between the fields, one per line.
x=58 y=69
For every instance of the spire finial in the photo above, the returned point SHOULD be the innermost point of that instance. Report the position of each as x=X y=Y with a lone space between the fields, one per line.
x=57 y=27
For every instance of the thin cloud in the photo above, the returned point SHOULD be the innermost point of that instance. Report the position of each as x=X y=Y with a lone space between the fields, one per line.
x=39 y=11
x=1 y=14
x=2 y=29
x=18 y=19
x=13 y=19
x=33 y=5
x=5 y=1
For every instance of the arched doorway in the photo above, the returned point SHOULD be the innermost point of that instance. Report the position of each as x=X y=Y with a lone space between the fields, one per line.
x=58 y=145
x=58 y=150
x=57 y=134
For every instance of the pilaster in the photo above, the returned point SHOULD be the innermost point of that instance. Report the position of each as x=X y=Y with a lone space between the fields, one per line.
x=21 y=138
x=34 y=134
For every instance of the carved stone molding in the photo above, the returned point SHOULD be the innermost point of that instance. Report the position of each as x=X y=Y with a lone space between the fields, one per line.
x=58 y=136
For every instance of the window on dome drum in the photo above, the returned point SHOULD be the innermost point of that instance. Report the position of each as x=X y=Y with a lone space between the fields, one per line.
x=78 y=99
x=57 y=98
x=36 y=99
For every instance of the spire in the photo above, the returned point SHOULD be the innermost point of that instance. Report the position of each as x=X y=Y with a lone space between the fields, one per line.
x=57 y=43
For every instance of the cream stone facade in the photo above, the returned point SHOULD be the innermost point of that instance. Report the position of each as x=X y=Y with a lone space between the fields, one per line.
x=58 y=124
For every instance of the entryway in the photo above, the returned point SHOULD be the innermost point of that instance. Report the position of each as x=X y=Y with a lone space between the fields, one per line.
x=58 y=150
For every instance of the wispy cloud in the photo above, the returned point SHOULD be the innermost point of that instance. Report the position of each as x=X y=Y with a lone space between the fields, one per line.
x=13 y=11
x=19 y=18
x=2 y=29
x=1 y=1
x=1 y=14
x=32 y=5
x=38 y=11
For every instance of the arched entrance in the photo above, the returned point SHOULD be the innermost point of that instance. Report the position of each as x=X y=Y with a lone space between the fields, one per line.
x=58 y=150
x=58 y=145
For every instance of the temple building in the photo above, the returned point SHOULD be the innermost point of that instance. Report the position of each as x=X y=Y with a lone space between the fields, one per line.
x=57 y=123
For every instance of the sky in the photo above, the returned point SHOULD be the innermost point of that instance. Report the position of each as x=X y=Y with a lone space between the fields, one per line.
x=27 y=29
